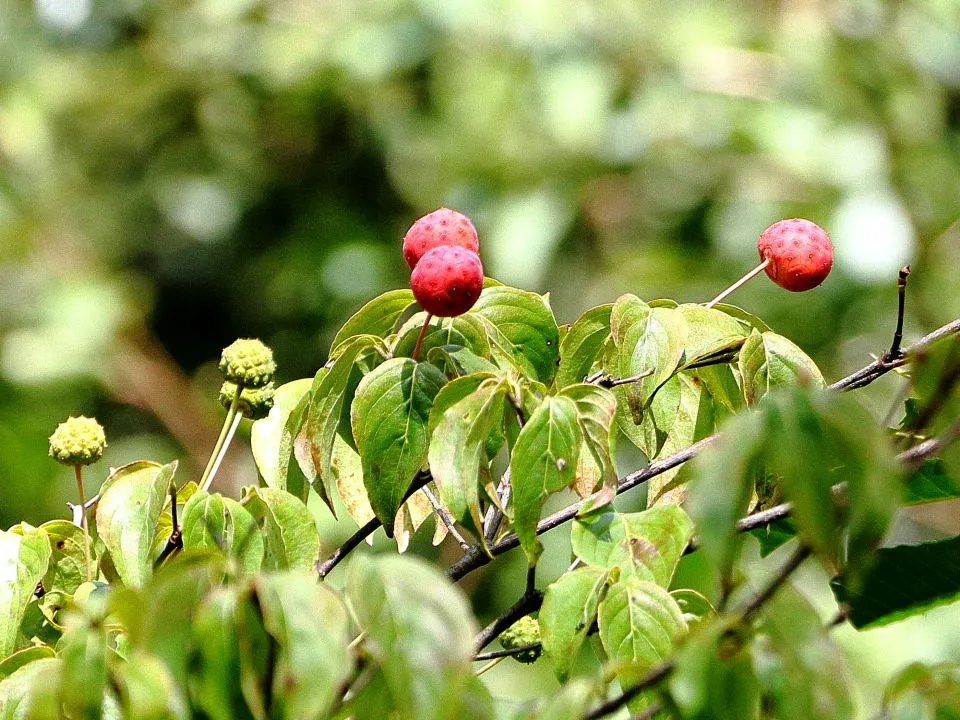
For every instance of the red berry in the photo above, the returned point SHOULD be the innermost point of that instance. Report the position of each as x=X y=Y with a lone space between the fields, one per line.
x=441 y=227
x=447 y=281
x=800 y=254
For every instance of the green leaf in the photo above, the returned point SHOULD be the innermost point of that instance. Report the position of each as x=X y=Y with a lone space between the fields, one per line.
x=378 y=317
x=596 y=409
x=723 y=482
x=67 y=569
x=931 y=483
x=544 y=460
x=420 y=632
x=327 y=396
x=458 y=448
x=213 y=521
x=17 y=660
x=646 y=545
x=290 y=534
x=18 y=692
x=569 y=609
x=215 y=663
x=24 y=559
x=147 y=691
x=272 y=438
x=821 y=439
x=801 y=670
x=768 y=360
x=774 y=535
x=127 y=516
x=389 y=416
x=525 y=328
x=640 y=623
x=466 y=331
x=712 y=335
x=922 y=692
x=904 y=580
x=309 y=624
x=582 y=344
x=84 y=679
x=647 y=339
x=348 y=470
x=714 y=678
x=747 y=320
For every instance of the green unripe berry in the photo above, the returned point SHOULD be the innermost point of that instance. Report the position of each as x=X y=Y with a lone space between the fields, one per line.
x=78 y=441
x=247 y=362
x=525 y=631
x=255 y=403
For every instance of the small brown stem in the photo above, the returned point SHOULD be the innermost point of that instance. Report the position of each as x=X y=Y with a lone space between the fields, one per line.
x=901 y=296
x=423 y=333
x=742 y=281
x=78 y=471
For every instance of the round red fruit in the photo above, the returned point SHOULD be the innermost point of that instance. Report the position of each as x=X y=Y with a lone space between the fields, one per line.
x=447 y=281
x=441 y=227
x=799 y=252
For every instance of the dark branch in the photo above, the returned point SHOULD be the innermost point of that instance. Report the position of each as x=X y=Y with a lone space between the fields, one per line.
x=324 y=568
x=901 y=298
x=656 y=676
x=445 y=517
x=531 y=600
x=762 y=598
x=494 y=654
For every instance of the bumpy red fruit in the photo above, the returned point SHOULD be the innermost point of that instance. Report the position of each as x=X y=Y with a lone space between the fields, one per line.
x=799 y=251
x=441 y=227
x=447 y=281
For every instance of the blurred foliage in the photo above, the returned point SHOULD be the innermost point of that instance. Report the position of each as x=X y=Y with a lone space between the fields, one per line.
x=178 y=173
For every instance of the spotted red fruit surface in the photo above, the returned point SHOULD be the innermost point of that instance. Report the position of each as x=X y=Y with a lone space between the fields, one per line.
x=799 y=251
x=447 y=281
x=441 y=227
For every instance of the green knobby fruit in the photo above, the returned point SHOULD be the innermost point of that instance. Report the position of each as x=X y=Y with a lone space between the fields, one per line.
x=78 y=441
x=525 y=631
x=247 y=362
x=254 y=404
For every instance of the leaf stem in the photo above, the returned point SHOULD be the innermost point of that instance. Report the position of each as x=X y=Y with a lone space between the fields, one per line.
x=206 y=478
x=739 y=283
x=84 y=522
x=489 y=665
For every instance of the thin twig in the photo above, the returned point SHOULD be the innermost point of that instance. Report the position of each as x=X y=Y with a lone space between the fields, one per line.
x=901 y=299
x=654 y=677
x=175 y=541
x=762 y=598
x=612 y=382
x=84 y=522
x=324 y=568
x=445 y=518
x=494 y=654
x=494 y=515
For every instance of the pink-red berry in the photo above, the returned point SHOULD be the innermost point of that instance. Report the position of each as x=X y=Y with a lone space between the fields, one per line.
x=800 y=254
x=441 y=227
x=447 y=281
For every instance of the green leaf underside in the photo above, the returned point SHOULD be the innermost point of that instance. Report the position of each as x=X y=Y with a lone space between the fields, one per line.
x=290 y=536
x=596 y=409
x=390 y=416
x=904 y=580
x=710 y=334
x=569 y=609
x=67 y=568
x=931 y=483
x=526 y=329
x=378 y=317
x=639 y=624
x=581 y=345
x=23 y=562
x=127 y=516
x=544 y=461
x=768 y=360
x=458 y=449
x=646 y=545
x=420 y=631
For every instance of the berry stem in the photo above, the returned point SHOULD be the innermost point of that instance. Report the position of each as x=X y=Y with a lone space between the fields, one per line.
x=222 y=441
x=223 y=450
x=493 y=663
x=84 y=523
x=742 y=281
x=423 y=332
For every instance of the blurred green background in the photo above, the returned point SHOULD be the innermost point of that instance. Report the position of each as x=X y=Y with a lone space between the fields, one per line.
x=178 y=173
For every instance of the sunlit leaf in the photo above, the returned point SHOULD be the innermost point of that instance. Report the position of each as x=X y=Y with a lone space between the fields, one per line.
x=768 y=360
x=127 y=517
x=24 y=559
x=712 y=335
x=378 y=317
x=272 y=438
x=290 y=534
x=18 y=691
x=582 y=344
x=213 y=521
x=67 y=568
